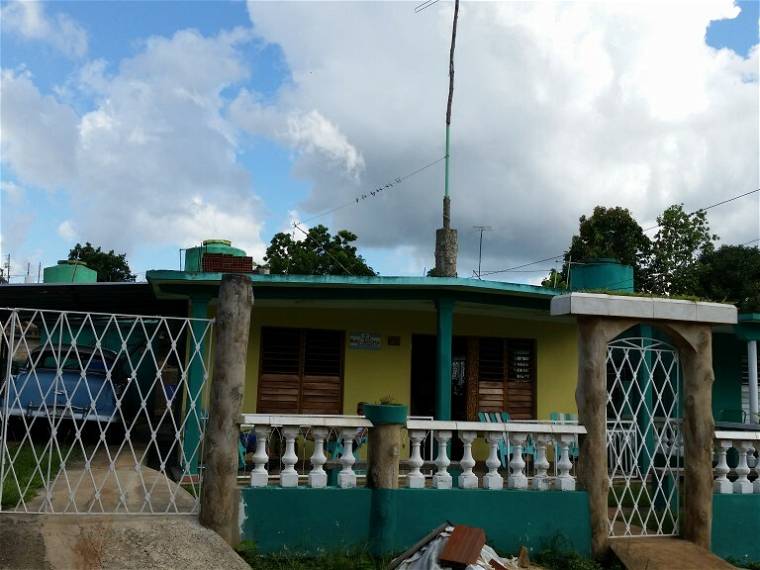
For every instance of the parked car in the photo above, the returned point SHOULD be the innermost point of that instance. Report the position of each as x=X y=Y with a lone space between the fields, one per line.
x=38 y=389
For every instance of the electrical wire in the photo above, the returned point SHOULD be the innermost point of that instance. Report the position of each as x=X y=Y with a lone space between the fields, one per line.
x=373 y=193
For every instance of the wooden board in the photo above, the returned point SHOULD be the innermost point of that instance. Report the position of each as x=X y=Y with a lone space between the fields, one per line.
x=463 y=547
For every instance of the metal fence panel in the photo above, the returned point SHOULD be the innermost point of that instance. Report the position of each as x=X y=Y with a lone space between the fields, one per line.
x=101 y=412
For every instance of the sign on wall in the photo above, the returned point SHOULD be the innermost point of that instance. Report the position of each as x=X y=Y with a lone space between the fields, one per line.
x=364 y=341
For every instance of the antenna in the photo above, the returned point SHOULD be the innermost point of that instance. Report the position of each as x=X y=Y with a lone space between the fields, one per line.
x=480 y=249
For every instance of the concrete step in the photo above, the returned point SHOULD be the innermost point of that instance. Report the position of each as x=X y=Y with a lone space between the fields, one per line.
x=665 y=553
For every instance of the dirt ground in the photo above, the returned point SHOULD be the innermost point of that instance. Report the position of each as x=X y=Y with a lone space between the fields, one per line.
x=132 y=542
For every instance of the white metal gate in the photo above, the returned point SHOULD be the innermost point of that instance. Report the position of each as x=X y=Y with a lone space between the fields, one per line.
x=644 y=447
x=101 y=413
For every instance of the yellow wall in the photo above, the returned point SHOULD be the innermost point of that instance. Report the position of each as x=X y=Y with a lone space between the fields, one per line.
x=369 y=375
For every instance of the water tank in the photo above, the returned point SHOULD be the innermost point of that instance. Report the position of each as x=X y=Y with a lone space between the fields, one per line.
x=68 y=271
x=194 y=255
x=604 y=274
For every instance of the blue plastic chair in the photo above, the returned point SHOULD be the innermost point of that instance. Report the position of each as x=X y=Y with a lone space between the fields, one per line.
x=496 y=418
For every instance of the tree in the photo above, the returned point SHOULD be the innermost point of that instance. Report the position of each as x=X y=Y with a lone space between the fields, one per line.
x=681 y=240
x=318 y=253
x=731 y=274
x=607 y=233
x=110 y=266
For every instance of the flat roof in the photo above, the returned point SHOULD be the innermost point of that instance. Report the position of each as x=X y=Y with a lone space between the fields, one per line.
x=348 y=281
x=647 y=308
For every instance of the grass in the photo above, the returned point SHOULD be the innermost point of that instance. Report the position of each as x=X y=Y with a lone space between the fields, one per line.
x=355 y=559
x=24 y=467
x=558 y=555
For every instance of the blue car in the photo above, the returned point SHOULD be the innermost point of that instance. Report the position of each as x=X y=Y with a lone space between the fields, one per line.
x=39 y=389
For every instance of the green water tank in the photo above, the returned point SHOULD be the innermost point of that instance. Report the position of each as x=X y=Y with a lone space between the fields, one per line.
x=194 y=255
x=605 y=274
x=67 y=271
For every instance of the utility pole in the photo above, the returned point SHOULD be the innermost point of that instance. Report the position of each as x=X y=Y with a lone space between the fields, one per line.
x=446 y=237
x=480 y=249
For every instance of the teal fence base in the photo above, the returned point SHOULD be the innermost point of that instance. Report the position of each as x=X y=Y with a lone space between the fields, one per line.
x=321 y=520
x=736 y=527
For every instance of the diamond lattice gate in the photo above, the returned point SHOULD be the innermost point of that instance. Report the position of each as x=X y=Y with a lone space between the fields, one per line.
x=101 y=413
x=643 y=437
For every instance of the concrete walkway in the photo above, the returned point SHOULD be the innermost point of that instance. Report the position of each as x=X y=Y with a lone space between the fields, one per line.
x=111 y=542
x=665 y=554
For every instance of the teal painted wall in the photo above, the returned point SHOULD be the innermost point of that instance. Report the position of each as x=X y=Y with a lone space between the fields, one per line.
x=727 y=394
x=312 y=520
x=736 y=527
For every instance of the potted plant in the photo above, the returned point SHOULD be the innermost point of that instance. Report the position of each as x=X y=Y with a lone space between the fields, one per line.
x=386 y=411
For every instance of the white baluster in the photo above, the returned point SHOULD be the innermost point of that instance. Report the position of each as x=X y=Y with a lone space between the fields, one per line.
x=540 y=479
x=415 y=479
x=742 y=485
x=492 y=479
x=565 y=481
x=517 y=478
x=442 y=478
x=756 y=486
x=259 y=474
x=347 y=477
x=468 y=479
x=317 y=475
x=288 y=475
x=721 y=484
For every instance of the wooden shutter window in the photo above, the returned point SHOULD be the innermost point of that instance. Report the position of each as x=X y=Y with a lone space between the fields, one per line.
x=301 y=371
x=521 y=379
x=491 y=375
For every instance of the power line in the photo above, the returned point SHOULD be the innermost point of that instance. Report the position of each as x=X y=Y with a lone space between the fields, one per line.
x=423 y=5
x=373 y=193
x=556 y=257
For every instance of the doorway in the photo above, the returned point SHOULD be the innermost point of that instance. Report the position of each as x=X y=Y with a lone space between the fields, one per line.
x=424 y=372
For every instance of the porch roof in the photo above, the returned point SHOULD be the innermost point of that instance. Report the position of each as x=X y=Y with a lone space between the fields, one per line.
x=169 y=283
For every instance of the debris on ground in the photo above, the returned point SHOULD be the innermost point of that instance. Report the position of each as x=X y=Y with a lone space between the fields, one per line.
x=455 y=547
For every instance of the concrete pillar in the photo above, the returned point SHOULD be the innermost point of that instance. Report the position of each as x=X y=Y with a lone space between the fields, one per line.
x=220 y=497
x=444 y=329
x=754 y=414
x=591 y=399
x=698 y=434
x=195 y=380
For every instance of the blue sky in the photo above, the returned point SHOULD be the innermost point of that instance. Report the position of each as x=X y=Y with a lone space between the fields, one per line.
x=42 y=216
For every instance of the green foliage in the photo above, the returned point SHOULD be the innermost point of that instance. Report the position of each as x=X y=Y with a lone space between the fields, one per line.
x=607 y=233
x=318 y=253
x=285 y=560
x=731 y=274
x=110 y=266
x=682 y=239
x=388 y=401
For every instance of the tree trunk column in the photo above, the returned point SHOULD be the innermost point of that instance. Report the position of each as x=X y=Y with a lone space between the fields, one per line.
x=384 y=449
x=591 y=399
x=220 y=497
x=698 y=437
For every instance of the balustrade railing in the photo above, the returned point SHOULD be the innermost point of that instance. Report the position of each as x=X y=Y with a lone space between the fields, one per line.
x=293 y=450
x=737 y=479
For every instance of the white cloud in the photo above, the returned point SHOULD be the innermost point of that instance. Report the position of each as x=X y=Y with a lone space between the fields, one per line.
x=28 y=20
x=66 y=231
x=152 y=160
x=558 y=107
x=309 y=132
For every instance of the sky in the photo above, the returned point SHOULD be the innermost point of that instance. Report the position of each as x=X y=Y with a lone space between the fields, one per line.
x=146 y=127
